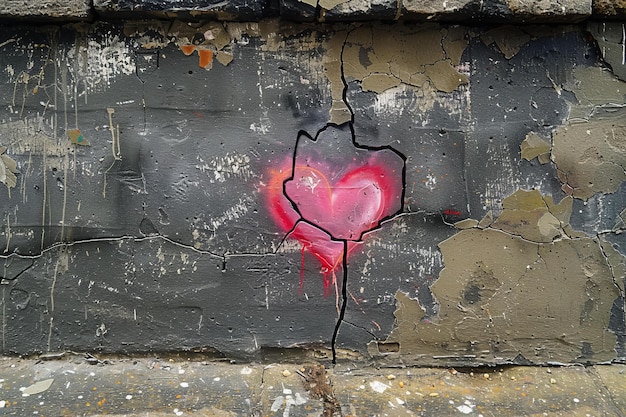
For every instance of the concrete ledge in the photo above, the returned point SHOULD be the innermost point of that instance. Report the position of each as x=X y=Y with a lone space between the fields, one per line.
x=46 y=9
x=147 y=386
x=513 y=11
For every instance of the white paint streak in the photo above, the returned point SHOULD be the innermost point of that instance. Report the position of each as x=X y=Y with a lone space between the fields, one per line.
x=101 y=61
x=233 y=213
x=502 y=178
x=428 y=259
x=288 y=246
x=231 y=165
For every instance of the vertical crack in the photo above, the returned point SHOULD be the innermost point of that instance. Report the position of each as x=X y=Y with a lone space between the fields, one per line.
x=330 y=227
x=620 y=310
x=611 y=269
x=344 y=301
x=344 y=260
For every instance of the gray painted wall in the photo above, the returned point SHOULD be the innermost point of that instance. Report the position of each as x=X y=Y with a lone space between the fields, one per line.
x=428 y=193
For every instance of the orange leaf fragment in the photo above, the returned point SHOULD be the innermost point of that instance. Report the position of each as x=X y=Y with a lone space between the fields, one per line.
x=187 y=49
x=206 y=58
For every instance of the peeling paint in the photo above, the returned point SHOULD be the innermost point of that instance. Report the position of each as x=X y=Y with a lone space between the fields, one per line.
x=534 y=146
x=8 y=169
x=591 y=157
x=597 y=86
x=389 y=57
x=509 y=296
x=610 y=38
x=509 y=39
x=533 y=217
x=186 y=236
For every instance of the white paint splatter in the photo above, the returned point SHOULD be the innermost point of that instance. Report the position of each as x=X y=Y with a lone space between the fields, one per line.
x=102 y=60
x=501 y=177
x=379 y=387
x=233 y=213
x=431 y=181
x=231 y=165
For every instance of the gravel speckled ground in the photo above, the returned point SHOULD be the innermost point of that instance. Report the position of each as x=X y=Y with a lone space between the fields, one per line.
x=76 y=385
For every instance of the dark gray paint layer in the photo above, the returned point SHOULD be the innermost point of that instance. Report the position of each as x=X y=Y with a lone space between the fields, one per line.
x=171 y=246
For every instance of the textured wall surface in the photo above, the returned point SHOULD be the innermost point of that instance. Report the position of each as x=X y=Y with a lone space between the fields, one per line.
x=423 y=193
x=519 y=11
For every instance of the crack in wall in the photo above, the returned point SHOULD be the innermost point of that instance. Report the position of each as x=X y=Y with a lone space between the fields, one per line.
x=331 y=239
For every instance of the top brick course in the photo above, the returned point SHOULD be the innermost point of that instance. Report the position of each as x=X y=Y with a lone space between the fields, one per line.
x=516 y=11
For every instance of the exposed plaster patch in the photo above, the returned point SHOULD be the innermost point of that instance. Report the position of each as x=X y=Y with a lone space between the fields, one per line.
x=329 y=4
x=509 y=39
x=391 y=56
x=534 y=217
x=591 y=157
x=501 y=295
x=595 y=86
x=534 y=146
x=379 y=83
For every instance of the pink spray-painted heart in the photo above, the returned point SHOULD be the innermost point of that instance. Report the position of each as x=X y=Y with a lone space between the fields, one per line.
x=322 y=205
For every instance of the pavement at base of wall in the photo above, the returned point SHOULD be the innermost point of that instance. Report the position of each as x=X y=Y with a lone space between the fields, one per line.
x=87 y=385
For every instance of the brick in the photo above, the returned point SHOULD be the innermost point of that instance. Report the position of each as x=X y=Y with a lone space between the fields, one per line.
x=68 y=9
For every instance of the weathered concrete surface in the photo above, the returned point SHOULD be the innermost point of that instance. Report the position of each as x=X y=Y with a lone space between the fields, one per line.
x=239 y=187
x=609 y=36
x=501 y=10
x=243 y=10
x=510 y=11
x=150 y=386
x=46 y=9
x=609 y=8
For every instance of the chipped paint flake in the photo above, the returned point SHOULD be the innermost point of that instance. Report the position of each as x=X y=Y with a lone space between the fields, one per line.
x=533 y=146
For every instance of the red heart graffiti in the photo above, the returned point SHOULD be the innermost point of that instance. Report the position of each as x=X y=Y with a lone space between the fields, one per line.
x=345 y=209
x=321 y=206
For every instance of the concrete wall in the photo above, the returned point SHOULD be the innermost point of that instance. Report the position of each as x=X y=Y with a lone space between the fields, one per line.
x=430 y=193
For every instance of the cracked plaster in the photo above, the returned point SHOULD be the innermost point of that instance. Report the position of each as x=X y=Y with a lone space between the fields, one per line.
x=530 y=222
x=503 y=294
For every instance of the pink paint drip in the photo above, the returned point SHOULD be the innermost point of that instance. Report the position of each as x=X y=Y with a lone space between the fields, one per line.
x=334 y=204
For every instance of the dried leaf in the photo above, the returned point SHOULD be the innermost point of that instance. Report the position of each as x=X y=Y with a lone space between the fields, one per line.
x=38 y=387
